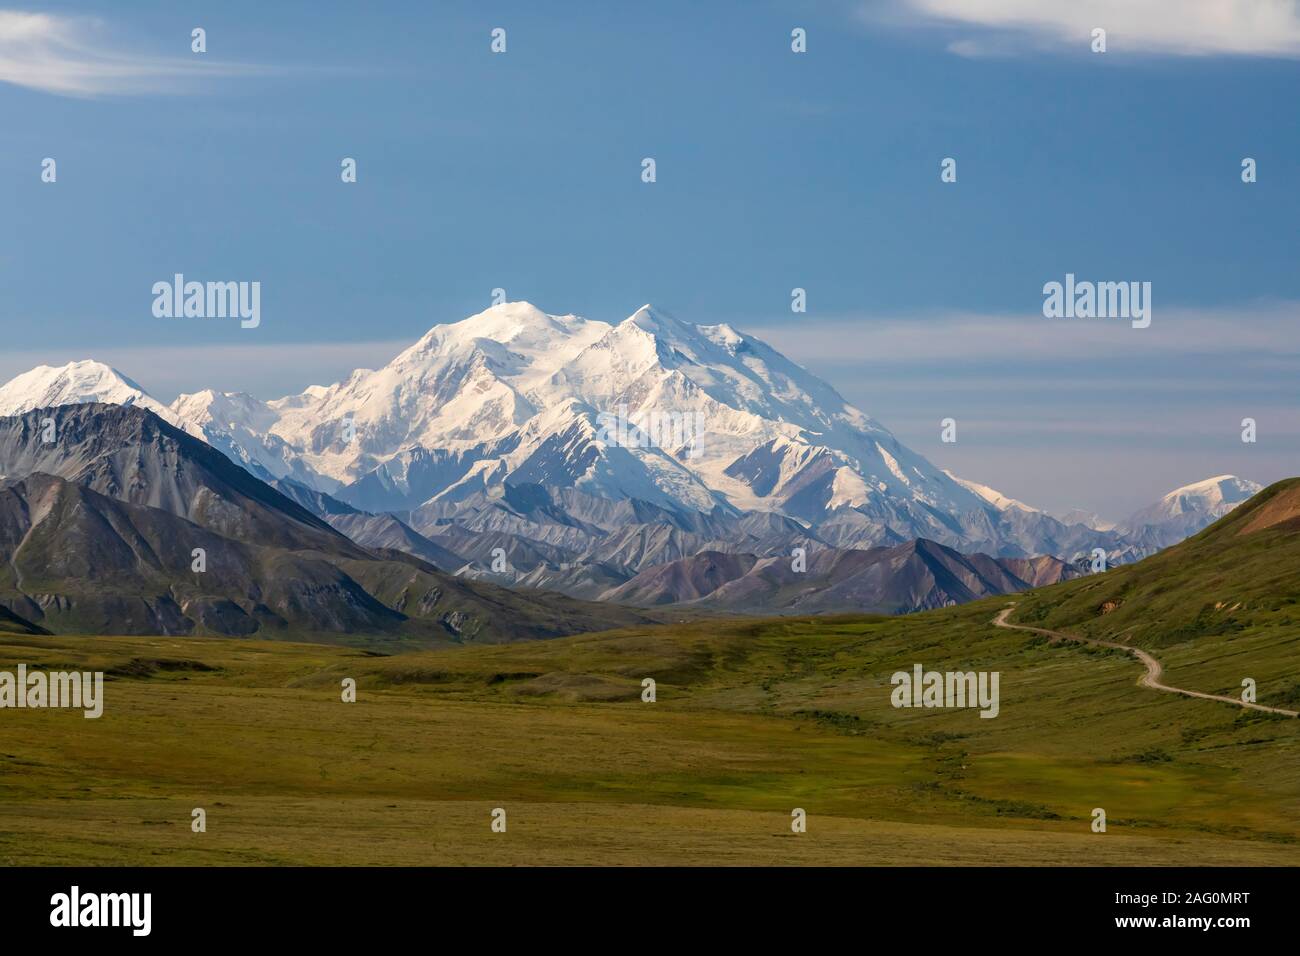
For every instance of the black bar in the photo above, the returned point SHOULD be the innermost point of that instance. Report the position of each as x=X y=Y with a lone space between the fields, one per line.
x=662 y=907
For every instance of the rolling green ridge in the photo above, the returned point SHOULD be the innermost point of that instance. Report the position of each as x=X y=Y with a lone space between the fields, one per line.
x=1221 y=606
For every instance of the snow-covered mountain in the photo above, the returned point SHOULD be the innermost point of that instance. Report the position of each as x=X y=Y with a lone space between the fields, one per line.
x=628 y=434
x=516 y=394
x=1213 y=496
x=76 y=383
x=513 y=394
x=1185 y=511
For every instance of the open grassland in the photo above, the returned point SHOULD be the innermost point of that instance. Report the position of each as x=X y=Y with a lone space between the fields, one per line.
x=753 y=719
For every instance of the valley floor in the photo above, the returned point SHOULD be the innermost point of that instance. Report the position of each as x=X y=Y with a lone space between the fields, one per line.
x=752 y=720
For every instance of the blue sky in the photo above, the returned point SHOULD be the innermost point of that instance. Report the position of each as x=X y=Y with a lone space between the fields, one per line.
x=775 y=170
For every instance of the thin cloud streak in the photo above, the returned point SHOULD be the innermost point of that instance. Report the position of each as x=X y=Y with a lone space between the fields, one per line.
x=1264 y=337
x=1170 y=27
x=1271 y=331
x=71 y=56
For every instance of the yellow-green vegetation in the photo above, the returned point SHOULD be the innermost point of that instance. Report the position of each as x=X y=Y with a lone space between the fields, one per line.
x=752 y=719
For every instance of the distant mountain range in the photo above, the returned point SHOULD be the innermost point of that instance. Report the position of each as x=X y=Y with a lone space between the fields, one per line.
x=531 y=450
x=100 y=531
x=918 y=575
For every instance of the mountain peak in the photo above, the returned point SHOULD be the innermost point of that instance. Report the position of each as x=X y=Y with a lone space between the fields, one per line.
x=1217 y=490
x=1191 y=507
x=518 y=326
x=76 y=383
x=85 y=371
x=506 y=312
x=698 y=340
x=652 y=319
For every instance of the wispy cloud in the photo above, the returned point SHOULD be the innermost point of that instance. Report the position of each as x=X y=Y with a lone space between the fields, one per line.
x=1176 y=27
x=1263 y=331
x=74 y=56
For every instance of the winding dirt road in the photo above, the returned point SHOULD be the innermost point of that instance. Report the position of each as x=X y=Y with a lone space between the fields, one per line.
x=1154 y=669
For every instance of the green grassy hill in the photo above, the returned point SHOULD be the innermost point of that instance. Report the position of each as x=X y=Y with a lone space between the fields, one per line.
x=1221 y=606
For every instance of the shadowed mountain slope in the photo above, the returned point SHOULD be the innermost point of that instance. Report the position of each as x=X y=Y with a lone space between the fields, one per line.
x=123 y=524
